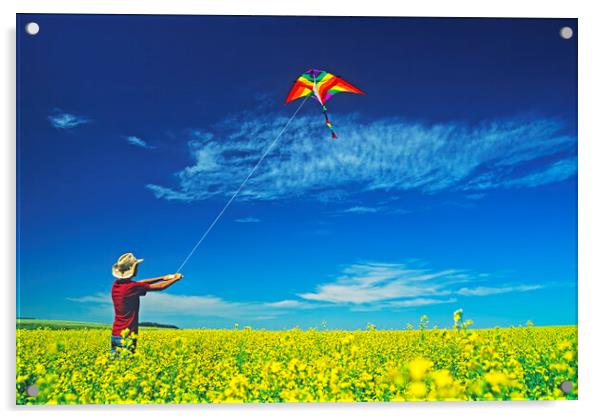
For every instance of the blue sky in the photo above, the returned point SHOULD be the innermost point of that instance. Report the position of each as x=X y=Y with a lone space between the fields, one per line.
x=452 y=184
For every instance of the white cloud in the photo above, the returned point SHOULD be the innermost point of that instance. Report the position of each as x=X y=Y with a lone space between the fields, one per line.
x=367 y=286
x=247 y=220
x=169 y=194
x=162 y=305
x=377 y=282
x=195 y=305
x=397 y=304
x=360 y=210
x=99 y=298
x=388 y=154
x=64 y=120
x=400 y=285
x=137 y=141
x=419 y=302
x=555 y=172
x=484 y=291
x=291 y=304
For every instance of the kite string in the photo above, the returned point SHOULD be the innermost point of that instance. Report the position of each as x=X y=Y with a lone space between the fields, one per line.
x=266 y=152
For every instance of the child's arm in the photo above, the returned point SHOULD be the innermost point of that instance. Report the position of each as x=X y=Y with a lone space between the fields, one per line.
x=153 y=280
x=166 y=283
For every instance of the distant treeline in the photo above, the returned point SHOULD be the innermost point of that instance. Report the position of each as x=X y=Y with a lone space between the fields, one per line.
x=153 y=324
x=32 y=323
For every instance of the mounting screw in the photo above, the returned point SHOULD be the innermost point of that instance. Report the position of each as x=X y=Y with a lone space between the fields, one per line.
x=32 y=390
x=566 y=387
x=566 y=32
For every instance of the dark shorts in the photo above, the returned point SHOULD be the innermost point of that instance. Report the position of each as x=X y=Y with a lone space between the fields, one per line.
x=118 y=342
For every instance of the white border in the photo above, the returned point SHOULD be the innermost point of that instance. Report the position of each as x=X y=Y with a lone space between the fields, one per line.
x=590 y=208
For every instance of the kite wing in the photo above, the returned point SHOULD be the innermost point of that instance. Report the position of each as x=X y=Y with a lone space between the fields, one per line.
x=301 y=88
x=320 y=84
x=329 y=85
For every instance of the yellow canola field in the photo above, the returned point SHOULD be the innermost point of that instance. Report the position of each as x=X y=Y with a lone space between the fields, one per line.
x=198 y=366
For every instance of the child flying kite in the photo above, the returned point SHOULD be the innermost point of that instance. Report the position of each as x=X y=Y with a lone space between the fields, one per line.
x=319 y=84
x=126 y=298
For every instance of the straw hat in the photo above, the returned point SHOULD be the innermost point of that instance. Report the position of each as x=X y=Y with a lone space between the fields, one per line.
x=125 y=266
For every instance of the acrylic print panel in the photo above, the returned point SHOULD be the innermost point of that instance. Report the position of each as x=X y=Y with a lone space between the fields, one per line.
x=328 y=209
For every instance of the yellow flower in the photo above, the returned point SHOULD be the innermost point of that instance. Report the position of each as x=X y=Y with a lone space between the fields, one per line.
x=275 y=367
x=496 y=377
x=442 y=378
x=418 y=368
x=569 y=356
x=417 y=390
x=262 y=366
x=458 y=315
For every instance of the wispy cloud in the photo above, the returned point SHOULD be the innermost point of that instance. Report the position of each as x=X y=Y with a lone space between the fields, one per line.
x=386 y=285
x=360 y=210
x=169 y=194
x=554 y=172
x=98 y=298
x=370 y=286
x=377 y=282
x=483 y=291
x=397 y=304
x=137 y=141
x=387 y=154
x=247 y=220
x=291 y=304
x=64 y=120
x=418 y=302
x=161 y=305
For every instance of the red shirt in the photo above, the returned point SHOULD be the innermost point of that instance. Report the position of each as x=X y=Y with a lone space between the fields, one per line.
x=126 y=300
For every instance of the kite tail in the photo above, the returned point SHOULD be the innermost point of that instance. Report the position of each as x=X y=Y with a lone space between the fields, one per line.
x=328 y=124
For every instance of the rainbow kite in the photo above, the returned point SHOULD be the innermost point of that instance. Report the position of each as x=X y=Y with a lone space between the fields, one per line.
x=322 y=86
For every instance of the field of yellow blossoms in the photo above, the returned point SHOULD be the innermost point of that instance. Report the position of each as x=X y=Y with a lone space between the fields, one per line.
x=199 y=366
